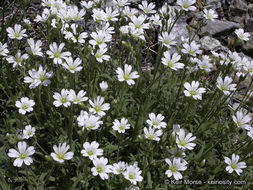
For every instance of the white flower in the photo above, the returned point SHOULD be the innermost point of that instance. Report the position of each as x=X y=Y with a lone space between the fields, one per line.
x=205 y=64
x=234 y=58
x=16 y=33
x=100 y=54
x=77 y=98
x=249 y=67
x=241 y=120
x=74 y=14
x=87 y=5
x=210 y=14
x=98 y=15
x=191 y=49
x=98 y=107
x=137 y=33
x=172 y=61
x=35 y=48
x=25 y=105
x=101 y=168
x=185 y=141
x=3 y=49
x=22 y=155
x=127 y=75
x=103 y=85
x=57 y=5
x=56 y=53
x=91 y=150
x=167 y=40
x=64 y=15
x=121 y=125
x=152 y=134
x=226 y=85
x=62 y=99
x=234 y=165
x=124 y=29
x=243 y=36
x=175 y=167
x=45 y=15
x=129 y=12
x=27 y=21
x=28 y=132
x=72 y=65
x=74 y=35
x=133 y=174
x=250 y=132
x=121 y=3
x=139 y=22
x=147 y=8
x=156 y=20
x=111 y=15
x=60 y=153
x=243 y=61
x=18 y=59
x=46 y=3
x=40 y=77
x=119 y=168
x=156 y=121
x=176 y=129
x=193 y=90
x=107 y=28
x=187 y=4
x=88 y=121
x=100 y=38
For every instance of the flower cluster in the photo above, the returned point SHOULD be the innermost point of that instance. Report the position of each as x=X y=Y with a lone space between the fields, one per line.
x=105 y=89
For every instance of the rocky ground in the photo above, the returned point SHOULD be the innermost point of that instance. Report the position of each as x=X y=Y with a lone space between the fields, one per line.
x=233 y=14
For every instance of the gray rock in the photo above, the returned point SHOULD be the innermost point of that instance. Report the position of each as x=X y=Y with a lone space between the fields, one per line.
x=238 y=7
x=211 y=44
x=248 y=46
x=249 y=24
x=180 y=30
x=214 y=4
x=170 y=2
x=250 y=8
x=239 y=19
x=218 y=27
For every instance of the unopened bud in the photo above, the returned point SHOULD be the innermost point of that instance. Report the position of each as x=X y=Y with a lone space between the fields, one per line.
x=48 y=158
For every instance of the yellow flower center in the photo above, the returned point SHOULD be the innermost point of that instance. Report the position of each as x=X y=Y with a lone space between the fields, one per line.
x=22 y=156
x=97 y=108
x=193 y=92
x=182 y=143
x=121 y=127
x=42 y=78
x=233 y=166
x=131 y=176
x=57 y=55
x=63 y=100
x=100 y=169
x=90 y=152
x=24 y=107
x=16 y=35
x=173 y=169
x=60 y=156
x=126 y=77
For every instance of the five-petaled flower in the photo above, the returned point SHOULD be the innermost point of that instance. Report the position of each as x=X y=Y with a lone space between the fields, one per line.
x=22 y=155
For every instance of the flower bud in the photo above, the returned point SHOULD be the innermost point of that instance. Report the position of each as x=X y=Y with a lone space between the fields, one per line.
x=203 y=163
x=103 y=85
x=48 y=158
